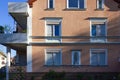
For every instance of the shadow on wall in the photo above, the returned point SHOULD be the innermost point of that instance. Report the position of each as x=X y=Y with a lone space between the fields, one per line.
x=112 y=5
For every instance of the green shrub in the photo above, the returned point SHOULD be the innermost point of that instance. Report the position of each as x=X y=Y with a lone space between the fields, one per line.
x=118 y=78
x=80 y=76
x=52 y=75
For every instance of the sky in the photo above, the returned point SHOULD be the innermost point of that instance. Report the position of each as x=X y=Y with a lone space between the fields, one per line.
x=6 y=19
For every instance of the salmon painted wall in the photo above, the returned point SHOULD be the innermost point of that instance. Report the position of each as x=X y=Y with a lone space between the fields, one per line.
x=75 y=23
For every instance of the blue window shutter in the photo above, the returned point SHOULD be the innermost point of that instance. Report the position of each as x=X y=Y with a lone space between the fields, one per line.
x=57 y=30
x=73 y=3
x=81 y=4
x=51 y=4
x=93 y=30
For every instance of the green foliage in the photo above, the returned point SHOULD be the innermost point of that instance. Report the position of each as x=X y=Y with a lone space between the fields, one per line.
x=118 y=77
x=24 y=31
x=1 y=29
x=2 y=75
x=52 y=75
x=90 y=78
x=19 y=75
x=32 y=78
x=80 y=76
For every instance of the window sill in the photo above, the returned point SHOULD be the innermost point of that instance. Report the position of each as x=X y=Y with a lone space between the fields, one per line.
x=100 y=9
x=76 y=65
x=99 y=65
x=52 y=65
x=74 y=9
x=49 y=9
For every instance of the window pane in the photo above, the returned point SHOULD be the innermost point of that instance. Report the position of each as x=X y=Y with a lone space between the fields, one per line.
x=73 y=3
x=57 y=31
x=102 y=58
x=102 y=29
x=93 y=30
x=100 y=4
x=57 y=59
x=94 y=59
x=81 y=4
x=49 y=30
x=76 y=57
x=50 y=3
x=49 y=58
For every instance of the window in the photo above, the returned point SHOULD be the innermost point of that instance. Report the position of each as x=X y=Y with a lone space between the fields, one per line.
x=98 y=57
x=74 y=4
x=100 y=4
x=75 y=57
x=53 y=30
x=50 y=4
x=53 y=57
x=98 y=30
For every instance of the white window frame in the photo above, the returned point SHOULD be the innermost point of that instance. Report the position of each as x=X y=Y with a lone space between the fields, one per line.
x=99 y=5
x=106 y=55
x=59 y=50
x=73 y=52
x=98 y=20
x=49 y=4
x=85 y=5
x=53 y=40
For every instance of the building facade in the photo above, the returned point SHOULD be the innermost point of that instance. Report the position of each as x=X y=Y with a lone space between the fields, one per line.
x=75 y=36
x=67 y=35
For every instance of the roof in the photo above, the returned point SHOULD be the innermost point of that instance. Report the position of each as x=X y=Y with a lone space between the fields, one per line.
x=31 y=2
x=1 y=53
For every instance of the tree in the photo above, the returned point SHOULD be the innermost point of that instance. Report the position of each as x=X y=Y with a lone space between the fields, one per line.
x=1 y=29
x=118 y=1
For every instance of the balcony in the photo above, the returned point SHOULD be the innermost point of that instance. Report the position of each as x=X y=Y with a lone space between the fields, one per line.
x=19 y=11
x=20 y=38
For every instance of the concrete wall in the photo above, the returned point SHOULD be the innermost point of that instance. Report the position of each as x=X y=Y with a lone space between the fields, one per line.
x=13 y=38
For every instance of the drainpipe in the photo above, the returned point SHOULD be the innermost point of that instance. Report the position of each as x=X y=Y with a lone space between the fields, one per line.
x=8 y=63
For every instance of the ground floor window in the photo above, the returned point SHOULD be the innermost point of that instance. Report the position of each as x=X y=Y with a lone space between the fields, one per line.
x=98 y=57
x=75 y=57
x=53 y=57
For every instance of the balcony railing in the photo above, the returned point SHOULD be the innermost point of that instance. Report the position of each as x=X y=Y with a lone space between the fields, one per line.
x=77 y=39
x=13 y=38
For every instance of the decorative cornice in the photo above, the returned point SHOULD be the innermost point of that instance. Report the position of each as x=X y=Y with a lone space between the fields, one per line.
x=31 y=2
x=118 y=1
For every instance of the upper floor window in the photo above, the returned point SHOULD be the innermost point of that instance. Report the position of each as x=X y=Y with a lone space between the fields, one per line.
x=98 y=30
x=75 y=57
x=53 y=30
x=100 y=4
x=50 y=4
x=76 y=4
x=53 y=57
x=98 y=57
